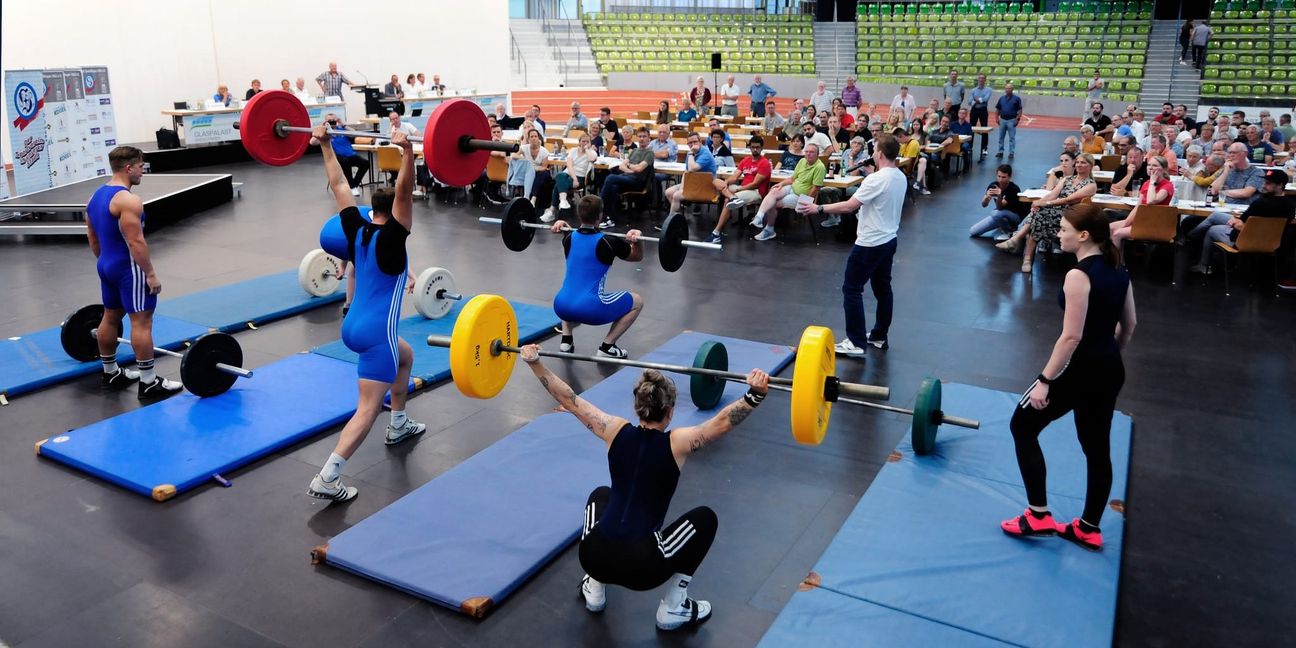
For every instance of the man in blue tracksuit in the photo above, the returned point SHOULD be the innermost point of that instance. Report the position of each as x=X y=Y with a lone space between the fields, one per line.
x=377 y=251
x=582 y=298
x=127 y=282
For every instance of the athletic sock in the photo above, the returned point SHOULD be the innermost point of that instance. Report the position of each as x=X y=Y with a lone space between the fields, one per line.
x=1088 y=528
x=146 y=371
x=678 y=591
x=109 y=363
x=332 y=468
x=1039 y=511
x=398 y=419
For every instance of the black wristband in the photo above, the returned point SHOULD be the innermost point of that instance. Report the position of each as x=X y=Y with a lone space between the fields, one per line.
x=753 y=398
x=1043 y=380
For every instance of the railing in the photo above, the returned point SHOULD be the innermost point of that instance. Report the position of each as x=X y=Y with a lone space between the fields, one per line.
x=517 y=59
x=549 y=13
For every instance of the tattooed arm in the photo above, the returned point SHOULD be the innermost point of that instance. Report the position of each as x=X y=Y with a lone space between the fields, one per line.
x=603 y=425
x=685 y=441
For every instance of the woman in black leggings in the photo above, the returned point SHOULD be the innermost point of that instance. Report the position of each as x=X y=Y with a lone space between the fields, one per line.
x=624 y=540
x=1084 y=375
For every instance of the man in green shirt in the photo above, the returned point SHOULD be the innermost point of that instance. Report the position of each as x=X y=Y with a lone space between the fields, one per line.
x=804 y=185
x=634 y=173
x=1285 y=127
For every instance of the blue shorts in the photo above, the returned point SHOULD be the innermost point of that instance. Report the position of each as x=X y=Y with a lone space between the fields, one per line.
x=375 y=342
x=593 y=308
x=123 y=287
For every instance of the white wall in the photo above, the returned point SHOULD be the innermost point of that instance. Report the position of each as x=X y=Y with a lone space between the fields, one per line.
x=162 y=51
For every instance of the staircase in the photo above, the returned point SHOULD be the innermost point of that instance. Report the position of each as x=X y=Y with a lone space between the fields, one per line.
x=1163 y=78
x=553 y=54
x=834 y=51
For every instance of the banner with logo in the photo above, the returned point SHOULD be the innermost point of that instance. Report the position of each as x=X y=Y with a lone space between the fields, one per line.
x=25 y=93
x=100 y=119
x=210 y=128
x=59 y=127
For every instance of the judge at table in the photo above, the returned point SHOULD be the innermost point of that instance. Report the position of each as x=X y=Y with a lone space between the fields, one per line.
x=223 y=95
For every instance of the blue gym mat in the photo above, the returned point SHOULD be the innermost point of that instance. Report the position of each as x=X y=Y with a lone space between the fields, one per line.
x=924 y=542
x=29 y=362
x=172 y=446
x=432 y=364
x=255 y=301
x=473 y=535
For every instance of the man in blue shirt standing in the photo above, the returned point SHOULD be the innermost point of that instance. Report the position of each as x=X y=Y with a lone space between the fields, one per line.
x=354 y=167
x=699 y=160
x=980 y=109
x=963 y=126
x=1009 y=111
x=759 y=92
x=954 y=89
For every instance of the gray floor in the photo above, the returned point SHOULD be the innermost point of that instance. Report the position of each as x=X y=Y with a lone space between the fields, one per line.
x=1208 y=558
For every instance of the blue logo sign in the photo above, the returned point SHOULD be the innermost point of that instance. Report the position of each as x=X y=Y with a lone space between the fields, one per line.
x=25 y=100
x=89 y=81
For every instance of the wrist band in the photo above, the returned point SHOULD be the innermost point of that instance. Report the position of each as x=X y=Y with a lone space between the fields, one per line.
x=1043 y=380
x=753 y=398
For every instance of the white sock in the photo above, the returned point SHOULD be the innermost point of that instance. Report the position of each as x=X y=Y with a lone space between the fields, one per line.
x=109 y=363
x=715 y=233
x=678 y=590
x=147 y=375
x=332 y=468
x=760 y=216
x=1039 y=509
x=398 y=418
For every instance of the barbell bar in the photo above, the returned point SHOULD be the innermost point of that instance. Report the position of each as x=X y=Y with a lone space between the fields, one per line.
x=275 y=129
x=209 y=366
x=519 y=225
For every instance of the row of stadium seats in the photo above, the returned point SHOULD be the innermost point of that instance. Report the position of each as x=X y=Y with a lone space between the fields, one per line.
x=1252 y=53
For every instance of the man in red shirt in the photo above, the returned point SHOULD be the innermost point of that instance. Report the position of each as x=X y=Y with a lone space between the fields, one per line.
x=1167 y=115
x=747 y=185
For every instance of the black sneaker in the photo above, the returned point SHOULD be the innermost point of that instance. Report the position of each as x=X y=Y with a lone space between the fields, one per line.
x=159 y=388
x=119 y=379
x=613 y=351
x=878 y=344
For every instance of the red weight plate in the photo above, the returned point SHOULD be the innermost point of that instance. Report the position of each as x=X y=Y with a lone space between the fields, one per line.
x=257 y=128
x=441 y=153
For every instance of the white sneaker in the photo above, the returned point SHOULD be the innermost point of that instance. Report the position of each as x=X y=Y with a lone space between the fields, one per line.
x=607 y=224
x=689 y=613
x=594 y=593
x=418 y=193
x=333 y=490
x=567 y=347
x=355 y=191
x=765 y=234
x=848 y=348
x=410 y=429
x=563 y=204
x=614 y=352
x=831 y=221
x=548 y=216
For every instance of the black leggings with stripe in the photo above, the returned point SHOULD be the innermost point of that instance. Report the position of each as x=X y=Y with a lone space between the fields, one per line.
x=648 y=562
x=1089 y=389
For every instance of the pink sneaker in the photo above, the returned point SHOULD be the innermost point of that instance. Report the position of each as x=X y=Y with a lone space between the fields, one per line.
x=1075 y=533
x=1028 y=525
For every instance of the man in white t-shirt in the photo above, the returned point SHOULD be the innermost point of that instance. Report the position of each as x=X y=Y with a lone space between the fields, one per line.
x=302 y=93
x=813 y=136
x=821 y=99
x=879 y=200
x=729 y=94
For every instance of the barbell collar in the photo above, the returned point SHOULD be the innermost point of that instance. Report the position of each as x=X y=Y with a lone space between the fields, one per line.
x=442 y=293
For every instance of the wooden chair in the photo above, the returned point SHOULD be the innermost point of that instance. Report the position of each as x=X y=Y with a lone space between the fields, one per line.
x=1260 y=236
x=1155 y=225
x=698 y=188
x=576 y=132
x=1109 y=163
x=389 y=162
x=496 y=174
x=953 y=148
x=644 y=114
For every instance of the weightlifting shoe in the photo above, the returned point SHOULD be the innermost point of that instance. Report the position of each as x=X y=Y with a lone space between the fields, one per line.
x=411 y=428
x=848 y=348
x=331 y=490
x=1075 y=532
x=119 y=379
x=690 y=613
x=594 y=594
x=1030 y=524
x=159 y=388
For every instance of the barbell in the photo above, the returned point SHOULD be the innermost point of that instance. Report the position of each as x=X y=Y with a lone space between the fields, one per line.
x=435 y=290
x=483 y=351
x=276 y=129
x=209 y=366
x=519 y=225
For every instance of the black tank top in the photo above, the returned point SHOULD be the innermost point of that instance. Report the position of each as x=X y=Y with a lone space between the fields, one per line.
x=644 y=476
x=1107 y=289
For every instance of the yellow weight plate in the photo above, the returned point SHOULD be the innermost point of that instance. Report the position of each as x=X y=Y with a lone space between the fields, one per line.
x=484 y=319
x=815 y=361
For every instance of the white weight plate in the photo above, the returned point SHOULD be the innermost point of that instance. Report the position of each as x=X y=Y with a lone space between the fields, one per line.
x=429 y=283
x=318 y=273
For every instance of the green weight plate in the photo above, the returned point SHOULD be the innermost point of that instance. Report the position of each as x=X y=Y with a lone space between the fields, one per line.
x=707 y=391
x=926 y=413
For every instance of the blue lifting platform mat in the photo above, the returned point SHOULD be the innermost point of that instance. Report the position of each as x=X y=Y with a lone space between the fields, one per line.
x=29 y=362
x=925 y=542
x=177 y=444
x=473 y=535
x=432 y=364
x=246 y=304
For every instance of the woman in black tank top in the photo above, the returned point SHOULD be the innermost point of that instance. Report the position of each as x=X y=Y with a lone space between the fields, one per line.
x=1083 y=375
x=625 y=539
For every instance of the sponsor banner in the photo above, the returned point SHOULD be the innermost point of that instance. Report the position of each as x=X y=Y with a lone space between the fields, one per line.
x=101 y=122
x=210 y=128
x=25 y=93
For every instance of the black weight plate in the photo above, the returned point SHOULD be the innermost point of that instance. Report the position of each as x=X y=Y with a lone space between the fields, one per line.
x=670 y=248
x=198 y=369
x=76 y=333
x=706 y=391
x=516 y=212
